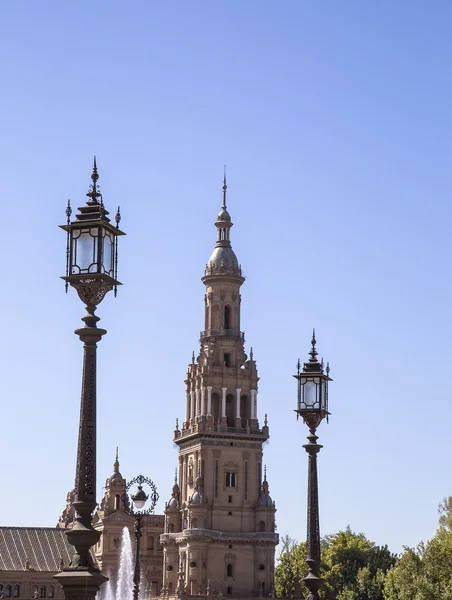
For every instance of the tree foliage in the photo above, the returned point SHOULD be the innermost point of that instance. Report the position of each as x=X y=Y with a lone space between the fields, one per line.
x=353 y=568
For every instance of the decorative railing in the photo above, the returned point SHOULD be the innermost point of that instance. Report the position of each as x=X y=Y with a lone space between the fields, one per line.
x=223 y=332
x=203 y=426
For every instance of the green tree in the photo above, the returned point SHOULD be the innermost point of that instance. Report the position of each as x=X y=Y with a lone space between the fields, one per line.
x=425 y=573
x=353 y=568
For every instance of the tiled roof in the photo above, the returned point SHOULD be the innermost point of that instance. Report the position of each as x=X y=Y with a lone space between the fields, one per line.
x=43 y=547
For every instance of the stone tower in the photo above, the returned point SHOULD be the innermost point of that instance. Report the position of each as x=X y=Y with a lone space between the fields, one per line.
x=220 y=520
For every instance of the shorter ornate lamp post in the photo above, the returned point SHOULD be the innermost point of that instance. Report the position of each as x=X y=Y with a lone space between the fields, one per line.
x=312 y=406
x=91 y=268
x=139 y=499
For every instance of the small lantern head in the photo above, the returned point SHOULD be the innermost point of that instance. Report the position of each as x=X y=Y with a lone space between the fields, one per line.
x=92 y=247
x=139 y=498
x=312 y=400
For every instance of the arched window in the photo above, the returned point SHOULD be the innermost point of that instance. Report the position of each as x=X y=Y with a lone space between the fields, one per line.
x=229 y=570
x=150 y=542
x=52 y=592
x=43 y=591
x=16 y=591
x=227 y=317
x=261 y=525
x=8 y=591
x=117 y=502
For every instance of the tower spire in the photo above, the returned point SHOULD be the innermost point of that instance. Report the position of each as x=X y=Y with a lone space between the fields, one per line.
x=225 y=187
x=116 y=463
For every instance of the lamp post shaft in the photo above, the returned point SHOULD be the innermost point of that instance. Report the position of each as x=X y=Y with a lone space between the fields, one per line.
x=137 y=570
x=313 y=580
x=82 y=580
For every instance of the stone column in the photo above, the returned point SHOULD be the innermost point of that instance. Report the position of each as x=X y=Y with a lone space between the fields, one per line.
x=198 y=401
x=192 y=404
x=187 y=408
x=203 y=401
x=223 y=402
x=209 y=400
x=253 y=404
x=238 y=420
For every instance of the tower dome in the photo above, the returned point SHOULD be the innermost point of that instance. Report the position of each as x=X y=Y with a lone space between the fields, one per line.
x=116 y=474
x=223 y=259
x=265 y=498
x=198 y=497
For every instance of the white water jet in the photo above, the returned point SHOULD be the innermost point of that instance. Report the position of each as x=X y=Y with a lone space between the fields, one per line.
x=124 y=589
x=106 y=592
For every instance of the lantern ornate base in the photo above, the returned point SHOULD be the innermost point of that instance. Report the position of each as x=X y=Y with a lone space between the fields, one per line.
x=80 y=583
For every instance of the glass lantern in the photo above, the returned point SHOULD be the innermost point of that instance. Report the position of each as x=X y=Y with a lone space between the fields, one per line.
x=139 y=498
x=312 y=397
x=92 y=244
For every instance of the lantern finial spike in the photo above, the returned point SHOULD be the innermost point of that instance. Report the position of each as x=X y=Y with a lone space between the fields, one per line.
x=94 y=193
x=313 y=353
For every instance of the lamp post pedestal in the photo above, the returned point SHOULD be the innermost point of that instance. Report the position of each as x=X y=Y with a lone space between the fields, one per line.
x=80 y=584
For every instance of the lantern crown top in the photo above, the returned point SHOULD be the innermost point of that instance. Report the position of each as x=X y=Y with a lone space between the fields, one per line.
x=312 y=365
x=94 y=192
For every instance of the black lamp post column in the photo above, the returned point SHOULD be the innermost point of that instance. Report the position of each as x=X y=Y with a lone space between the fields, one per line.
x=313 y=408
x=313 y=581
x=91 y=261
x=137 y=571
x=139 y=499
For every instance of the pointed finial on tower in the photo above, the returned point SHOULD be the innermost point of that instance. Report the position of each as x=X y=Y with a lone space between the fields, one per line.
x=193 y=357
x=328 y=369
x=116 y=464
x=265 y=420
x=175 y=476
x=177 y=424
x=298 y=366
x=94 y=192
x=265 y=472
x=251 y=353
x=225 y=187
x=313 y=353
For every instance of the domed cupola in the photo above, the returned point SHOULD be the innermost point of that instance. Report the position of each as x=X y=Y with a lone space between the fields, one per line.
x=198 y=496
x=265 y=498
x=116 y=474
x=173 y=502
x=223 y=259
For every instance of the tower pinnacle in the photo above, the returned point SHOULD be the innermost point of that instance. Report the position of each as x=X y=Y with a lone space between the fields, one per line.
x=225 y=187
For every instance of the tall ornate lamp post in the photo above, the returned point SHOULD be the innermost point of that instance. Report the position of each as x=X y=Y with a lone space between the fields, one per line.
x=91 y=268
x=312 y=406
x=139 y=499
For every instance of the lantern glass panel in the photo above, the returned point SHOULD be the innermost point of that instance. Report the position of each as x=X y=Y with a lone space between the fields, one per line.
x=85 y=250
x=139 y=503
x=310 y=394
x=107 y=250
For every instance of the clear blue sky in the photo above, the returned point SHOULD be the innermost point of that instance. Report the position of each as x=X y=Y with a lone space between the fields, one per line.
x=334 y=120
